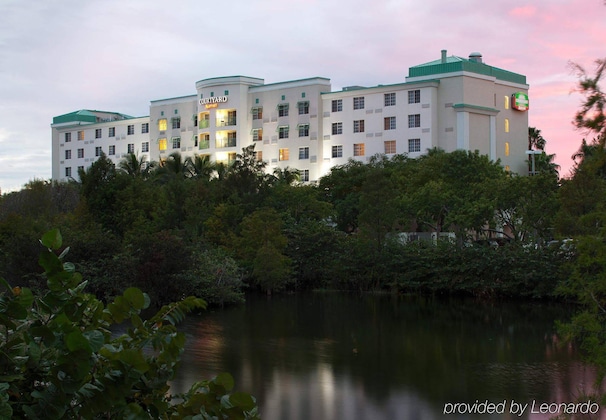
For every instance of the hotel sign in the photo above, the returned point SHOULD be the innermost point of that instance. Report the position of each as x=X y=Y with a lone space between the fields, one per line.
x=213 y=102
x=519 y=101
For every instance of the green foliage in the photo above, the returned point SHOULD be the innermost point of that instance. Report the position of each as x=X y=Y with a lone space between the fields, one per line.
x=59 y=359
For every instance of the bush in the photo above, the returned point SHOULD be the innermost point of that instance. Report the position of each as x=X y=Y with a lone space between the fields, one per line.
x=58 y=358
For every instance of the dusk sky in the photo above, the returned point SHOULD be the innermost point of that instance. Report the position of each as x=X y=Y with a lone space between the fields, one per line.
x=61 y=56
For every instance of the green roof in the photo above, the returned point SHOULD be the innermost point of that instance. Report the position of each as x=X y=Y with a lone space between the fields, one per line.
x=85 y=116
x=457 y=64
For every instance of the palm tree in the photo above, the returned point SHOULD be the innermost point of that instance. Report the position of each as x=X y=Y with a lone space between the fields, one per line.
x=200 y=167
x=535 y=139
x=135 y=166
x=286 y=176
x=173 y=166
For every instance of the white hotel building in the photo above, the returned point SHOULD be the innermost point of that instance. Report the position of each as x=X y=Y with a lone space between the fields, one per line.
x=450 y=103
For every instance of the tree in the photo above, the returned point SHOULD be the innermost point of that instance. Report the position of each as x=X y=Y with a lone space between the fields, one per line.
x=59 y=359
x=201 y=167
x=136 y=166
x=535 y=139
x=591 y=117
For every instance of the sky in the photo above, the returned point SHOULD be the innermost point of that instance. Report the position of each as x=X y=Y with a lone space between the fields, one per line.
x=60 y=56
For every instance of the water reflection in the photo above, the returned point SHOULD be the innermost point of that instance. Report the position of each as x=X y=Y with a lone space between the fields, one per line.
x=376 y=357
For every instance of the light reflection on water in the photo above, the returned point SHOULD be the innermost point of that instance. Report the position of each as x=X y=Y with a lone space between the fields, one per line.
x=335 y=357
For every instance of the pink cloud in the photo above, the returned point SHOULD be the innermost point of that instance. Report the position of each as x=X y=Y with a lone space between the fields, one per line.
x=523 y=12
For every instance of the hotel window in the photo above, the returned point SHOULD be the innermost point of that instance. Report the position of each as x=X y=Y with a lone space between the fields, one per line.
x=80 y=153
x=80 y=135
x=284 y=155
x=130 y=130
x=303 y=130
x=97 y=133
x=414 y=145
x=358 y=149
x=68 y=154
x=112 y=132
x=145 y=147
x=389 y=123
x=358 y=102
x=303 y=153
x=204 y=141
x=258 y=134
x=283 y=110
x=176 y=142
x=204 y=120
x=130 y=148
x=226 y=92
x=506 y=148
x=98 y=151
x=337 y=151
x=390 y=99
x=257 y=113
x=337 y=128
x=304 y=175
x=231 y=139
x=414 y=121
x=162 y=144
x=414 y=96
x=68 y=171
x=283 y=132
x=112 y=150
x=507 y=125
x=176 y=123
x=68 y=137
x=258 y=155
x=358 y=126
x=506 y=104
x=303 y=107
x=337 y=105
x=145 y=128
x=390 y=147
x=80 y=168
x=162 y=124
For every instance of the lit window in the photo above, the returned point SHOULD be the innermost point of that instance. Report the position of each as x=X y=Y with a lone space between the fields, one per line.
x=204 y=120
x=176 y=123
x=358 y=102
x=390 y=99
x=358 y=149
x=258 y=155
x=358 y=126
x=130 y=148
x=283 y=110
x=414 y=96
x=303 y=153
x=80 y=135
x=98 y=151
x=176 y=142
x=68 y=154
x=506 y=148
x=414 y=145
x=204 y=141
x=162 y=124
x=303 y=107
x=303 y=130
x=257 y=113
x=283 y=132
x=257 y=134
x=414 y=121
x=284 y=154
x=507 y=125
x=507 y=168
x=68 y=137
x=112 y=150
x=337 y=128
x=231 y=139
x=112 y=132
x=80 y=153
x=389 y=123
x=337 y=151
x=145 y=128
x=162 y=144
x=337 y=105
x=506 y=104
x=97 y=133
x=390 y=147
x=130 y=130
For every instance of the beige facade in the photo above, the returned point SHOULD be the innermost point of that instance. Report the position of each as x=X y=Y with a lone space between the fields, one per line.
x=451 y=103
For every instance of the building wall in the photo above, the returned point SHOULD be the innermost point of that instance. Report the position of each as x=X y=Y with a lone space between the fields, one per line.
x=450 y=109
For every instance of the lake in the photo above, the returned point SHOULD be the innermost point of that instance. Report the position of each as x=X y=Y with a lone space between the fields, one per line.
x=346 y=356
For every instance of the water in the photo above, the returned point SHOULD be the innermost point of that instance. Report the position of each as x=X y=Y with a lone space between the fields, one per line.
x=335 y=356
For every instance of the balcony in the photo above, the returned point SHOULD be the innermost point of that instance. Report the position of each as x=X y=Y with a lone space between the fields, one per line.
x=225 y=122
